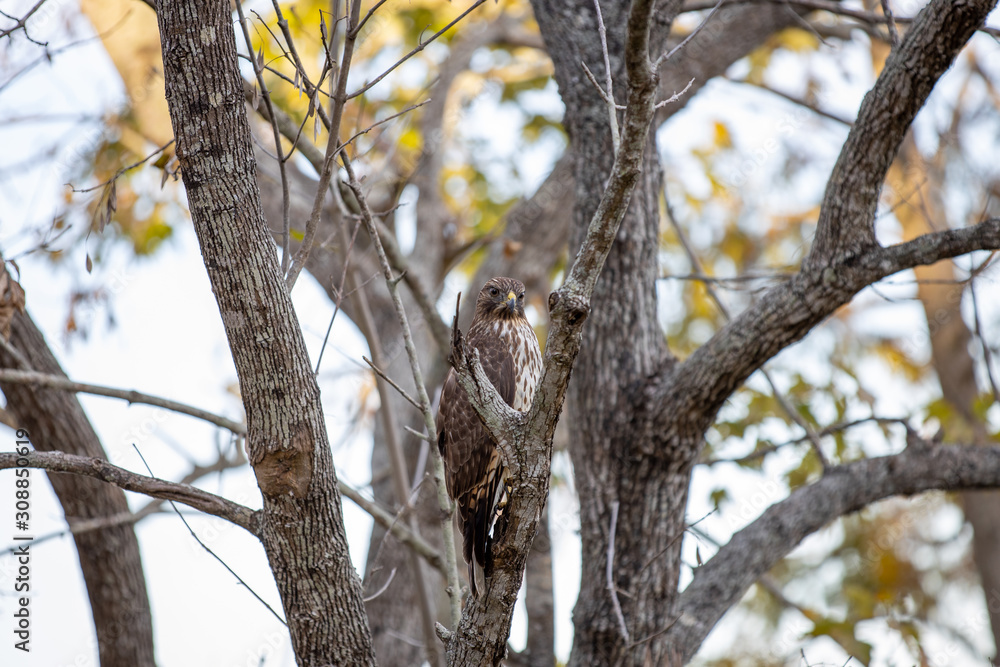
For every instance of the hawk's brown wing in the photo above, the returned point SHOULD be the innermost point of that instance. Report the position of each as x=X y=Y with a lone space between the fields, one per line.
x=473 y=467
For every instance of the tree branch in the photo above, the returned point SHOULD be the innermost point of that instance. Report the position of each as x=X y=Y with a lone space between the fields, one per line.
x=100 y=469
x=751 y=552
x=444 y=503
x=786 y=313
x=845 y=256
x=65 y=384
x=846 y=221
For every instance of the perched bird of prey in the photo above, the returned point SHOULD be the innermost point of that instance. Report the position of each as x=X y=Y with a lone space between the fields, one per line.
x=477 y=479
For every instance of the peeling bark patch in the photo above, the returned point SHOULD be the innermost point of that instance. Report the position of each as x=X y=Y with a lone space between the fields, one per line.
x=287 y=471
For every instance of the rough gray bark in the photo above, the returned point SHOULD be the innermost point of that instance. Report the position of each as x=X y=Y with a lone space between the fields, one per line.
x=301 y=523
x=109 y=557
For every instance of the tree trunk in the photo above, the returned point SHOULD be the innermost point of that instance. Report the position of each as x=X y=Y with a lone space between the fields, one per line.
x=302 y=522
x=109 y=557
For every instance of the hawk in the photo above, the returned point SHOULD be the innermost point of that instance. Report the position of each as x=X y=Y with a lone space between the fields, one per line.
x=476 y=476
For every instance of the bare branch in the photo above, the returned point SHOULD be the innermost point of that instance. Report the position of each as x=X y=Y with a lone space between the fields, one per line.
x=789 y=410
x=65 y=384
x=846 y=221
x=609 y=573
x=669 y=54
x=100 y=469
x=891 y=22
x=21 y=23
x=845 y=257
x=607 y=93
x=392 y=383
x=923 y=466
x=333 y=148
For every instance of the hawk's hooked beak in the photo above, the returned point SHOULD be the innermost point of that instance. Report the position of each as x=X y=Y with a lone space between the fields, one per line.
x=511 y=301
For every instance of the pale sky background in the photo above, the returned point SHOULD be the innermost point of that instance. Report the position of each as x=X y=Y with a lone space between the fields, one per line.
x=167 y=340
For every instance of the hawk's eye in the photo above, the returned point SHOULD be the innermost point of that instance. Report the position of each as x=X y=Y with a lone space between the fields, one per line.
x=520 y=297
x=494 y=291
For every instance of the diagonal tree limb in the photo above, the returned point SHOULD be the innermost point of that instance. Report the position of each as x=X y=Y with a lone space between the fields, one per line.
x=100 y=469
x=63 y=383
x=786 y=313
x=922 y=466
x=845 y=257
x=846 y=222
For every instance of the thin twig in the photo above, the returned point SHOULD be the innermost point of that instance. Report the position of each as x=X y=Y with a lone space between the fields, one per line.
x=831 y=6
x=19 y=358
x=352 y=33
x=124 y=169
x=669 y=54
x=847 y=122
x=891 y=22
x=51 y=53
x=828 y=430
x=398 y=467
x=332 y=150
x=676 y=96
x=418 y=434
x=603 y=93
x=782 y=401
x=987 y=355
x=203 y=501
x=385 y=586
x=609 y=98
x=364 y=20
x=22 y=23
x=392 y=383
x=80 y=526
x=385 y=519
x=382 y=122
x=340 y=293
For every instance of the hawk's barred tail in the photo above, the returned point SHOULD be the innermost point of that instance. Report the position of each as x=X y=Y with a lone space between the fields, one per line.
x=482 y=507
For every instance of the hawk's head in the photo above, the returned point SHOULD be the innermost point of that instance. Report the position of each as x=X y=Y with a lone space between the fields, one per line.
x=501 y=298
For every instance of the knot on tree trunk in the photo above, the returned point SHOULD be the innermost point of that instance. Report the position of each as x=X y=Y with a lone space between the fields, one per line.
x=286 y=471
